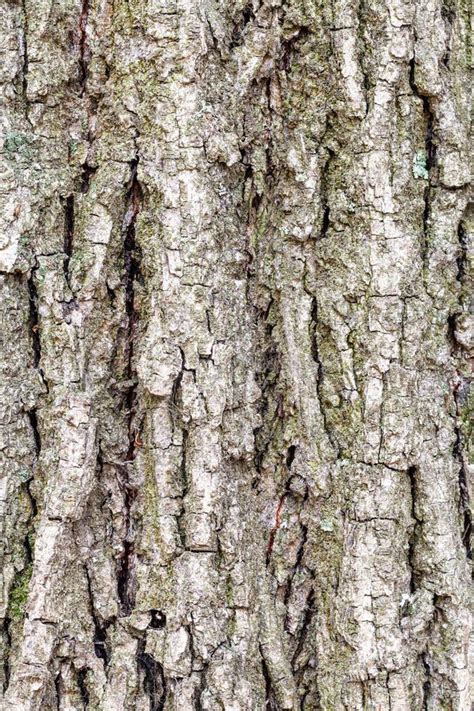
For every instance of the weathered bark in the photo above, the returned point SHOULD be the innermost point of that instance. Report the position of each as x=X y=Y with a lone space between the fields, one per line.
x=235 y=278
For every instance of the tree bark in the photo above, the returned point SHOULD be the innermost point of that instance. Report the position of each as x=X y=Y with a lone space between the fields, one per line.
x=236 y=270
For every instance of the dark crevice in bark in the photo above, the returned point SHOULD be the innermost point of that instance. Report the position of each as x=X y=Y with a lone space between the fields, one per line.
x=100 y=630
x=57 y=688
x=82 y=686
x=175 y=410
x=87 y=174
x=431 y=162
x=462 y=384
x=308 y=616
x=452 y=334
x=185 y=488
x=427 y=683
x=412 y=475
x=8 y=643
x=124 y=578
x=83 y=48
x=296 y=568
x=267 y=379
x=463 y=247
x=270 y=701
x=238 y=33
x=132 y=265
x=448 y=13
x=25 y=61
x=199 y=691
x=33 y=420
x=68 y=206
x=325 y=222
x=362 y=22
x=154 y=683
x=465 y=503
x=34 y=318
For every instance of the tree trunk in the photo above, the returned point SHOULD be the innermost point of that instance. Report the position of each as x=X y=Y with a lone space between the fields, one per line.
x=235 y=279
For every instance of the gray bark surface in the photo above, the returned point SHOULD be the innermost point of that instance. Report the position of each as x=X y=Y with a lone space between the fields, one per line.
x=235 y=267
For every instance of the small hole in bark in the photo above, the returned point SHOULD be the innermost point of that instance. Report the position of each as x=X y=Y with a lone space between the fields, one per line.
x=290 y=455
x=158 y=620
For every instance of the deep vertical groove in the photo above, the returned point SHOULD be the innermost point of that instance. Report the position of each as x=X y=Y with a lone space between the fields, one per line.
x=308 y=616
x=134 y=199
x=154 y=682
x=362 y=22
x=82 y=686
x=24 y=48
x=68 y=206
x=34 y=318
x=83 y=48
x=426 y=683
x=461 y=387
x=8 y=641
x=270 y=702
x=326 y=210
x=100 y=631
x=465 y=504
x=430 y=150
x=88 y=172
x=412 y=474
x=33 y=419
x=296 y=567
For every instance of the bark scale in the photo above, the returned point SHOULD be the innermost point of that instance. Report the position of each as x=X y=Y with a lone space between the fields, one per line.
x=235 y=266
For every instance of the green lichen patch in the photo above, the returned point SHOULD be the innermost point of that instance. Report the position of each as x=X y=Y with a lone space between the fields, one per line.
x=19 y=593
x=420 y=166
x=16 y=143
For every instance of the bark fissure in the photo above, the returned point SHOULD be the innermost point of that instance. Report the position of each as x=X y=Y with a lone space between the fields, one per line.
x=154 y=683
x=131 y=257
x=310 y=611
x=464 y=500
x=82 y=686
x=25 y=60
x=34 y=319
x=100 y=630
x=430 y=162
x=83 y=47
x=270 y=701
x=412 y=541
x=68 y=206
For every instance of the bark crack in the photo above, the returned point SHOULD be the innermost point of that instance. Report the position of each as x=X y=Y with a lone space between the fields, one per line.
x=431 y=162
x=412 y=476
x=83 y=46
x=68 y=206
x=25 y=60
x=154 y=682
x=131 y=257
x=100 y=631
x=34 y=319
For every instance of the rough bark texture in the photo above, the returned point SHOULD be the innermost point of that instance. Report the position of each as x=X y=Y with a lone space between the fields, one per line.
x=235 y=277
